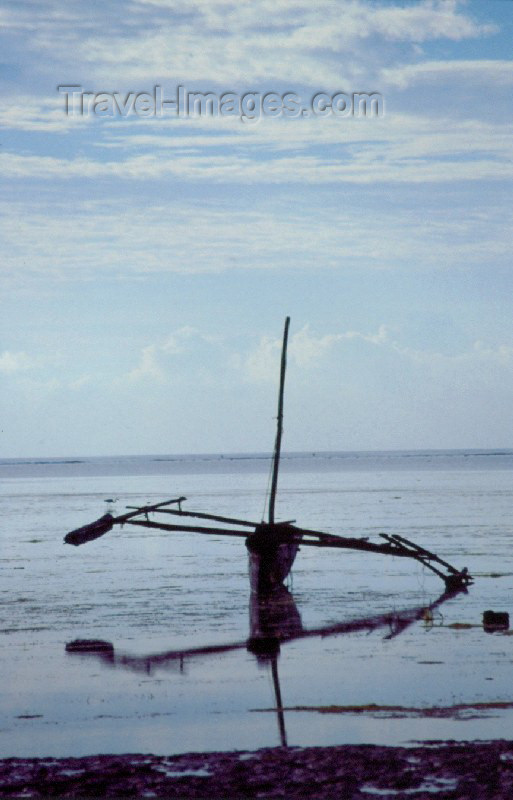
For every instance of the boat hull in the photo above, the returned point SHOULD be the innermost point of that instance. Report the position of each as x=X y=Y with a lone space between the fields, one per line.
x=271 y=557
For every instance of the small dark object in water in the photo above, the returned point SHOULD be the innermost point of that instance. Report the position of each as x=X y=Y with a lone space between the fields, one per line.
x=89 y=646
x=495 y=620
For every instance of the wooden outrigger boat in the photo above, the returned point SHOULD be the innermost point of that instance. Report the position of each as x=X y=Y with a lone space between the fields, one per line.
x=272 y=545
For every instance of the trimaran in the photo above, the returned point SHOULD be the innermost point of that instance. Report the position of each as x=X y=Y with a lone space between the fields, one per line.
x=272 y=545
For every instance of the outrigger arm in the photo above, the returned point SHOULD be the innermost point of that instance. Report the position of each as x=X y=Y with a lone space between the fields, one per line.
x=281 y=533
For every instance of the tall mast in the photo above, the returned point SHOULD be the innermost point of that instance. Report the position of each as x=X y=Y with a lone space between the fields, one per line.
x=277 y=446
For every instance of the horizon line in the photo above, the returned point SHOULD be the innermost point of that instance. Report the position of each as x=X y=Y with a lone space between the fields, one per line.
x=264 y=454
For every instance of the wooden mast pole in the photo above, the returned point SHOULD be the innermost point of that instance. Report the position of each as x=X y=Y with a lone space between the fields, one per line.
x=277 y=446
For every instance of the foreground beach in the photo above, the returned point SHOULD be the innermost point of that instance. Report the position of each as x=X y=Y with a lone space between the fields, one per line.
x=349 y=772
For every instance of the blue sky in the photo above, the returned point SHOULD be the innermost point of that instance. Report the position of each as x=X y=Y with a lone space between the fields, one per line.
x=147 y=264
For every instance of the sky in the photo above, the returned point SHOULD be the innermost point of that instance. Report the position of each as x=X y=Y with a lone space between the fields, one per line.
x=148 y=260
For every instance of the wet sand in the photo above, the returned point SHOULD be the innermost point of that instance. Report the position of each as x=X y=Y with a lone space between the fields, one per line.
x=452 y=770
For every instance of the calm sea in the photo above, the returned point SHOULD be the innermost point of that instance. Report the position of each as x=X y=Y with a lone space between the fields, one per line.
x=148 y=595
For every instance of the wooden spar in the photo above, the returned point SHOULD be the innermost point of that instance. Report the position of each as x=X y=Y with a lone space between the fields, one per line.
x=348 y=543
x=201 y=515
x=417 y=554
x=422 y=550
x=285 y=533
x=147 y=509
x=272 y=538
x=279 y=430
x=455 y=579
x=289 y=535
x=397 y=546
x=146 y=523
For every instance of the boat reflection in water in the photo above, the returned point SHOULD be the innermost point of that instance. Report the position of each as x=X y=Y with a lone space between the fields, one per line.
x=273 y=619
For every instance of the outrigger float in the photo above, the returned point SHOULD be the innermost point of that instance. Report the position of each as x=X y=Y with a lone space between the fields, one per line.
x=272 y=545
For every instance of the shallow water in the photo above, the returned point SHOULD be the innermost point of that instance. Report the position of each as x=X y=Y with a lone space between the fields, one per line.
x=148 y=592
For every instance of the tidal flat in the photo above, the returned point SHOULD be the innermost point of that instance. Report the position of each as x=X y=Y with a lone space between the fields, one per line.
x=373 y=647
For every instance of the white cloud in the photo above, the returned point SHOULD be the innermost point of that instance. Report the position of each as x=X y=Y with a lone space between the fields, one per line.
x=148 y=367
x=152 y=365
x=387 y=138
x=494 y=72
x=400 y=148
x=16 y=362
x=378 y=338
x=98 y=240
x=175 y=342
x=79 y=383
x=305 y=349
x=427 y=20
x=29 y=113
x=503 y=354
x=478 y=354
x=261 y=364
x=370 y=164
x=476 y=358
x=252 y=42
x=223 y=42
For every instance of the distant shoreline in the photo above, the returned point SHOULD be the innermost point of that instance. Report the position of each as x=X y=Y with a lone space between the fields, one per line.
x=75 y=458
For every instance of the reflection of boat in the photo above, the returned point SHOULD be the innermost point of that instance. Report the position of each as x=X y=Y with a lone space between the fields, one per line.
x=272 y=546
x=273 y=620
